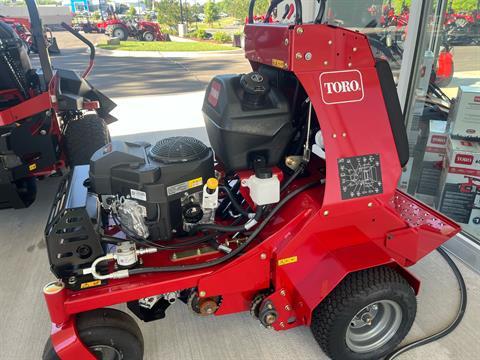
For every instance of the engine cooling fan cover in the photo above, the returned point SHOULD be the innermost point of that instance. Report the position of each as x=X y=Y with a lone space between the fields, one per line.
x=178 y=149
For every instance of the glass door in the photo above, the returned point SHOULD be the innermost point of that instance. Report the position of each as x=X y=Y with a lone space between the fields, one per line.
x=440 y=91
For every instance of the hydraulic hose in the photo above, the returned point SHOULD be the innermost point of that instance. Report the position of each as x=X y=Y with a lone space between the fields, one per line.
x=229 y=228
x=452 y=325
x=236 y=205
x=146 y=243
x=292 y=177
x=235 y=252
x=321 y=12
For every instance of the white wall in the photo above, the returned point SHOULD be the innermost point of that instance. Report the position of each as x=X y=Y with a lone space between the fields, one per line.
x=49 y=14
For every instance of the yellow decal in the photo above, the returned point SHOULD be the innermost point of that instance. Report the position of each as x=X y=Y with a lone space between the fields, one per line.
x=32 y=167
x=278 y=63
x=287 y=261
x=90 y=284
x=195 y=182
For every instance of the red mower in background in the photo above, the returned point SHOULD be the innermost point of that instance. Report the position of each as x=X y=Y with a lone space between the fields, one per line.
x=23 y=29
x=297 y=219
x=48 y=120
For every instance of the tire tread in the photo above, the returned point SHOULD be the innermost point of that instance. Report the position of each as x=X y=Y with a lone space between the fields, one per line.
x=354 y=286
x=83 y=137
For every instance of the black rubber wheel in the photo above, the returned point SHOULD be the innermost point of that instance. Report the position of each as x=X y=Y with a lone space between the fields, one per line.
x=366 y=316
x=109 y=334
x=83 y=137
x=148 y=36
x=119 y=32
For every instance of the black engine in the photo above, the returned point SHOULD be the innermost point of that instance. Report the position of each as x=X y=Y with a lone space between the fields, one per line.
x=148 y=186
x=163 y=191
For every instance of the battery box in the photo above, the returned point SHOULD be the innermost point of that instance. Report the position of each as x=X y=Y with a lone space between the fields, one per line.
x=464 y=120
x=432 y=162
x=460 y=182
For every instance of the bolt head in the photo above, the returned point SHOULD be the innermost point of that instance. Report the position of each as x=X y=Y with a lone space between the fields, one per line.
x=202 y=293
x=325 y=213
x=270 y=319
x=370 y=204
x=283 y=292
x=43 y=132
x=344 y=135
x=308 y=56
x=298 y=56
x=349 y=64
x=334 y=136
x=288 y=307
x=354 y=49
x=263 y=256
x=330 y=42
x=325 y=63
x=285 y=42
x=299 y=30
x=282 y=324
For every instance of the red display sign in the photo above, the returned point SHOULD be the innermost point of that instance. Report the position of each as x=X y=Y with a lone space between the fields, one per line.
x=439 y=139
x=464 y=159
x=338 y=87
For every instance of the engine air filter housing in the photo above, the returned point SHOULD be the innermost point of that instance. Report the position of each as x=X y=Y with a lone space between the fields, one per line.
x=178 y=149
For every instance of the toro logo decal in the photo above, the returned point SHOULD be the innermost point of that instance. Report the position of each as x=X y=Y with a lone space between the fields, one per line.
x=214 y=93
x=339 y=87
x=439 y=139
x=464 y=159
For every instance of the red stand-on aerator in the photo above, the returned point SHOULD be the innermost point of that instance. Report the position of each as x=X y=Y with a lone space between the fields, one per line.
x=298 y=221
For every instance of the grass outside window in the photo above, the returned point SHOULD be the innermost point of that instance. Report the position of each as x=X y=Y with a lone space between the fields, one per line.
x=166 y=46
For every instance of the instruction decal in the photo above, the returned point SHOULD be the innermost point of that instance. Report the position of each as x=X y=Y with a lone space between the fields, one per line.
x=184 y=186
x=286 y=261
x=360 y=176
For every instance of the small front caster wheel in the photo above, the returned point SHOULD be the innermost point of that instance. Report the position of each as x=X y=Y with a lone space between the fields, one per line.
x=366 y=316
x=109 y=334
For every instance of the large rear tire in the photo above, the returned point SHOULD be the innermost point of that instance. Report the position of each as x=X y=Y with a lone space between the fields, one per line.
x=366 y=316
x=108 y=333
x=83 y=137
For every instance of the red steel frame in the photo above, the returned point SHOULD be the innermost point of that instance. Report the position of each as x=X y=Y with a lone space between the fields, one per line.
x=37 y=104
x=30 y=107
x=317 y=238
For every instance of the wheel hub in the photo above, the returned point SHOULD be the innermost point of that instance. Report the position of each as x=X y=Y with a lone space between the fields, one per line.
x=105 y=352
x=373 y=326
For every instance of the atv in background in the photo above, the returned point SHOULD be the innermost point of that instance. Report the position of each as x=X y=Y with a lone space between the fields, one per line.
x=49 y=120
x=23 y=29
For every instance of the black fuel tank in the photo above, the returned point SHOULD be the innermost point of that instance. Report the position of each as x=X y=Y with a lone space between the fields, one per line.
x=245 y=117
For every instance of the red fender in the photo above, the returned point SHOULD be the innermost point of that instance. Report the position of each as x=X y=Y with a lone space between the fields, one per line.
x=329 y=270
